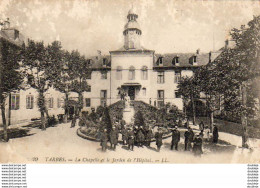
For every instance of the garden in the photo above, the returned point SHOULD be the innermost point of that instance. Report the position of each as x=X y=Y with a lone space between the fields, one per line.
x=146 y=116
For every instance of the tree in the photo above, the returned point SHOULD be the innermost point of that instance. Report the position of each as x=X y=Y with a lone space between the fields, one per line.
x=62 y=81
x=189 y=89
x=208 y=81
x=237 y=68
x=106 y=120
x=139 y=119
x=11 y=76
x=41 y=70
x=79 y=72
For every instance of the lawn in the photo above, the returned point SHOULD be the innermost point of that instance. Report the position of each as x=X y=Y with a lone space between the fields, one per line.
x=231 y=127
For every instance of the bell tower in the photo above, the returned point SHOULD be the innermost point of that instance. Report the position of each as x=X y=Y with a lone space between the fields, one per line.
x=132 y=31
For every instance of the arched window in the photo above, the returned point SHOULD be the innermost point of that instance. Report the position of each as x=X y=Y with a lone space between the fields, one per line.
x=131 y=73
x=144 y=73
x=119 y=73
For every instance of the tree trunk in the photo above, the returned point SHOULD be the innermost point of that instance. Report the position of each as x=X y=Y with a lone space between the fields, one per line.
x=9 y=109
x=66 y=107
x=43 y=121
x=80 y=102
x=211 y=120
x=244 y=116
x=193 y=111
x=42 y=108
x=4 y=121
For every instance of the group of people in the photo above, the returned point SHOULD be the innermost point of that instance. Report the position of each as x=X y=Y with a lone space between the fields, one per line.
x=131 y=136
x=191 y=138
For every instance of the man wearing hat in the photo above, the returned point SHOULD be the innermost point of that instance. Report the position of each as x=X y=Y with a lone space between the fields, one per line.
x=104 y=138
x=149 y=136
x=215 y=134
x=113 y=138
x=188 y=138
x=158 y=137
x=131 y=139
x=124 y=135
x=175 y=138
x=197 y=147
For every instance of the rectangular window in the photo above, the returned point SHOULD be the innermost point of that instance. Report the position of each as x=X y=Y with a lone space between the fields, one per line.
x=103 y=75
x=50 y=102
x=119 y=74
x=160 y=98
x=88 y=88
x=15 y=102
x=131 y=74
x=88 y=102
x=60 y=103
x=160 y=61
x=177 y=77
x=29 y=102
x=144 y=91
x=103 y=98
x=160 y=77
x=144 y=74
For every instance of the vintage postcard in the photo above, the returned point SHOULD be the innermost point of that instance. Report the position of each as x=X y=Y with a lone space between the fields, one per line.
x=139 y=81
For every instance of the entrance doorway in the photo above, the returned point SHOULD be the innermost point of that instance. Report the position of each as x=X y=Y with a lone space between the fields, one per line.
x=131 y=92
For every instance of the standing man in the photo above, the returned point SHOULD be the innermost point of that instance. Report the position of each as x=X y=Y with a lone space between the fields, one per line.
x=131 y=139
x=197 y=147
x=188 y=138
x=215 y=134
x=158 y=137
x=201 y=126
x=124 y=135
x=73 y=121
x=104 y=139
x=140 y=137
x=149 y=136
x=113 y=138
x=175 y=138
x=207 y=131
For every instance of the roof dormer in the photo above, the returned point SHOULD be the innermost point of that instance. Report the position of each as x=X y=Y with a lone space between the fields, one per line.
x=176 y=60
x=104 y=62
x=160 y=61
x=193 y=60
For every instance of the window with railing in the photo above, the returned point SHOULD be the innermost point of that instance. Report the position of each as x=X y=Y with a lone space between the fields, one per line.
x=177 y=77
x=131 y=73
x=160 y=98
x=119 y=73
x=103 y=98
x=50 y=102
x=144 y=73
x=160 y=77
x=29 y=101
x=15 y=102
x=88 y=102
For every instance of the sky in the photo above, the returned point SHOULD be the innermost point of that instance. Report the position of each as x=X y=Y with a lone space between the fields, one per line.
x=168 y=26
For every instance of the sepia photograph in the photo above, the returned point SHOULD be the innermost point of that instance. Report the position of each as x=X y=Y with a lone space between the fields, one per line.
x=129 y=82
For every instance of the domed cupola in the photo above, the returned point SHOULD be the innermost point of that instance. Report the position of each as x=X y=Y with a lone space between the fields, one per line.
x=132 y=31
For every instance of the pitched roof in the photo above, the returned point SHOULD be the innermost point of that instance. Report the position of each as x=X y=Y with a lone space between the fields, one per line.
x=184 y=59
x=5 y=34
x=97 y=62
x=123 y=49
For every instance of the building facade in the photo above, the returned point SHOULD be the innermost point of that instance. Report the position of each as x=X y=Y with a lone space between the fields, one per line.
x=138 y=72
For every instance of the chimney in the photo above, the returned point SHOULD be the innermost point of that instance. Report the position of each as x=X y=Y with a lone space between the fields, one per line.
x=99 y=55
x=198 y=51
x=226 y=43
x=6 y=24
